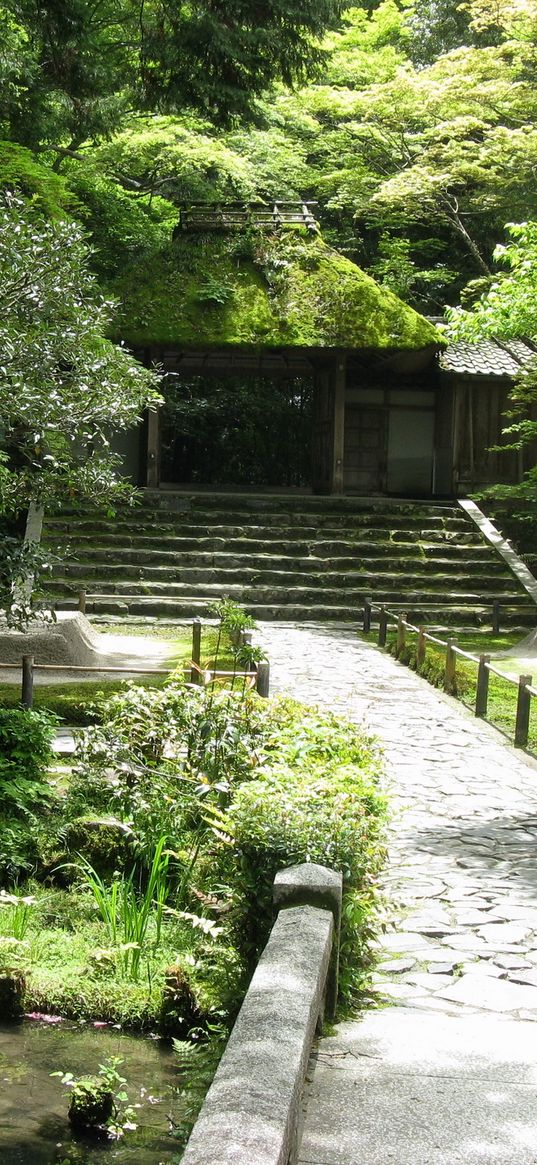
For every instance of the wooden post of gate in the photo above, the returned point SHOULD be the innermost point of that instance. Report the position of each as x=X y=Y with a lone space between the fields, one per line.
x=367 y=615
x=401 y=635
x=27 y=694
x=195 y=675
x=495 y=617
x=263 y=678
x=383 y=627
x=421 y=647
x=82 y=602
x=153 y=447
x=523 y=707
x=482 y=689
x=451 y=664
x=339 y=375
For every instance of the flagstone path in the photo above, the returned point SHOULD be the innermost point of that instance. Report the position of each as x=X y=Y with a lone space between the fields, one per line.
x=462 y=941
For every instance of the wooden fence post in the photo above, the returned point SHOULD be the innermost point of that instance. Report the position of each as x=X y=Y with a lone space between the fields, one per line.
x=401 y=635
x=451 y=664
x=523 y=707
x=495 y=617
x=27 y=694
x=421 y=647
x=82 y=602
x=367 y=615
x=263 y=678
x=195 y=676
x=383 y=627
x=482 y=688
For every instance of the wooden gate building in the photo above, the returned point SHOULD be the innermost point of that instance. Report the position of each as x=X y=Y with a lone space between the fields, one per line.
x=257 y=292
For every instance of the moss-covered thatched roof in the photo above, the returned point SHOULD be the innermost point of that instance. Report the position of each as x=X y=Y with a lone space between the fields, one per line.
x=271 y=291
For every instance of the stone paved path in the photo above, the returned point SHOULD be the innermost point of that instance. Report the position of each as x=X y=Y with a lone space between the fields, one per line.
x=462 y=943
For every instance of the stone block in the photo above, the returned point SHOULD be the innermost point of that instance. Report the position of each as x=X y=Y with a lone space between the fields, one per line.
x=250 y=1113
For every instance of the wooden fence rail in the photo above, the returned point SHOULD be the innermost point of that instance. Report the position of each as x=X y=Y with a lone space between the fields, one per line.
x=258 y=674
x=485 y=668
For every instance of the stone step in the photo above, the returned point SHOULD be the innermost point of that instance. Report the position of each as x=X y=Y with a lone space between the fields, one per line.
x=177 y=553
x=101 y=578
x=314 y=561
x=263 y=534
x=196 y=500
x=237 y=543
x=429 y=614
x=245 y=592
x=270 y=515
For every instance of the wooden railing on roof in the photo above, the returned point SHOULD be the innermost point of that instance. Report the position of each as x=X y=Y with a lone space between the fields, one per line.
x=227 y=216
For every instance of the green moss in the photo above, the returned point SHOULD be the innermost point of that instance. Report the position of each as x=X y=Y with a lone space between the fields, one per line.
x=279 y=291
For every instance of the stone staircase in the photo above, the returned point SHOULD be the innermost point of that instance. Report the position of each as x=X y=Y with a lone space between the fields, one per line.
x=283 y=557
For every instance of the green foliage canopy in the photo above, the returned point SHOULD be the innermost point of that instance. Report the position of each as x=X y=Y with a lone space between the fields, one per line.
x=63 y=385
x=71 y=71
x=506 y=311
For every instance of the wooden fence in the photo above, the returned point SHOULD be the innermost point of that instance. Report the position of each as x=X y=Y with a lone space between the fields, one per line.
x=258 y=676
x=524 y=683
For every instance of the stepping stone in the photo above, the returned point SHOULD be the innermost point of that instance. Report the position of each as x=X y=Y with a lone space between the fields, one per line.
x=491 y=994
x=445 y=955
x=527 y=977
x=504 y=933
x=430 y=982
x=433 y=889
x=516 y=913
x=397 y=991
x=434 y=1003
x=511 y=962
x=396 y=966
x=438 y=930
x=475 y=918
x=470 y=943
x=476 y=901
x=402 y=942
x=481 y=967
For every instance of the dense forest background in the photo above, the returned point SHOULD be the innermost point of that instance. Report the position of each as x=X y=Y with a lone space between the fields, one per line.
x=412 y=124
x=417 y=135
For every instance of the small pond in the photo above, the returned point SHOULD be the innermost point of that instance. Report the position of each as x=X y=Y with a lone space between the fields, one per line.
x=34 y=1129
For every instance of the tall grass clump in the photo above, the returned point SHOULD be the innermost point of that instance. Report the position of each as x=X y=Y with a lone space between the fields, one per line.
x=129 y=909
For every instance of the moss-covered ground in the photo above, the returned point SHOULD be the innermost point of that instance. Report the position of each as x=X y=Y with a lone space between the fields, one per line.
x=137 y=882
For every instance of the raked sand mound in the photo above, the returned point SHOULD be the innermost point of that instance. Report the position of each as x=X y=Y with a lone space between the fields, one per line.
x=73 y=641
x=526 y=648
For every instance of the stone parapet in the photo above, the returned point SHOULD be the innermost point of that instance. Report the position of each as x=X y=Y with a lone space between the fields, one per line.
x=250 y=1113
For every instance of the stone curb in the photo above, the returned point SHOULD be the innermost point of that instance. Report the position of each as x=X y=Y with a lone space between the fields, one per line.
x=250 y=1114
x=502 y=547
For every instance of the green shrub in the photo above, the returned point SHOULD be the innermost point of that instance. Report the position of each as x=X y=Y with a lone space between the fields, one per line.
x=317 y=801
x=241 y=787
x=103 y=843
x=25 y=754
x=433 y=668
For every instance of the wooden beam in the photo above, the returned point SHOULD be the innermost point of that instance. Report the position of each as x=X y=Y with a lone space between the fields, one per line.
x=153 y=447
x=340 y=381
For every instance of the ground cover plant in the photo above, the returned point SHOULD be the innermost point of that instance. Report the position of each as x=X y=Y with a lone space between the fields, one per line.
x=145 y=896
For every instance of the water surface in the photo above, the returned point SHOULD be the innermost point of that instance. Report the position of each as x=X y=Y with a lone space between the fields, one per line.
x=34 y=1129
